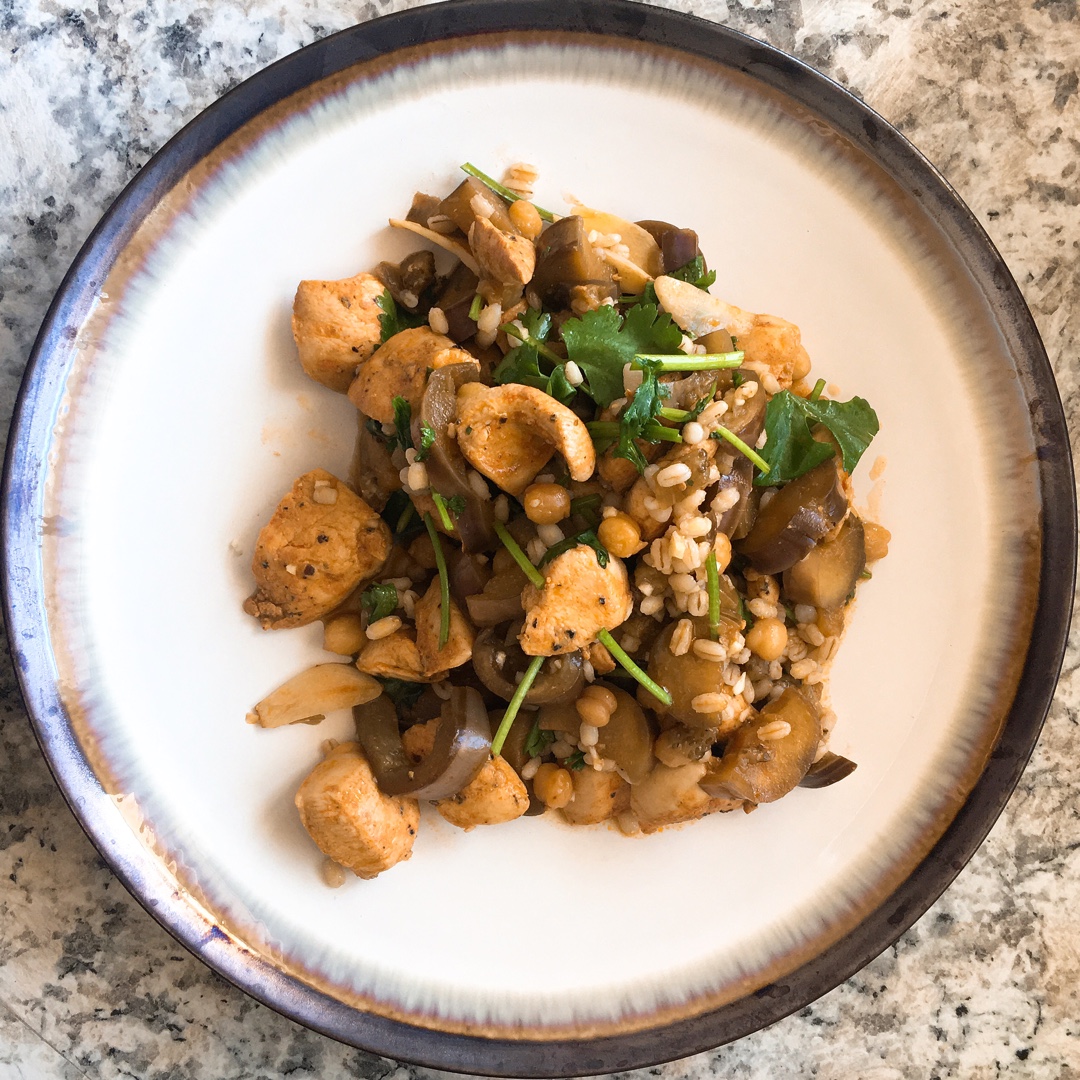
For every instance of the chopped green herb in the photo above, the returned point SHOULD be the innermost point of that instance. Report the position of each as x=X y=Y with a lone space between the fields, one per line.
x=712 y=584
x=586 y=539
x=444 y=513
x=375 y=428
x=444 y=582
x=602 y=342
x=392 y=320
x=790 y=447
x=379 y=600
x=639 y=415
x=575 y=761
x=538 y=740
x=402 y=424
x=819 y=389
x=605 y=432
x=522 y=365
x=866 y=575
x=695 y=273
x=616 y=650
x=515 y=703
x=730 y=437
x=475 y=306
x=403 y=694
x=518 y=555
x=500 y=189
x=427 y=441
x=737 y=379
x=693 y=362
x=745 y=614
x=587 y=507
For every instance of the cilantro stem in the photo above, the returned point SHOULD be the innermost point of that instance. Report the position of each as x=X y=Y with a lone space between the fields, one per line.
x=499 y=189
x=712 y=584
x=544 y=350
x=616 y=650
x=679 y=416
x=523 y=688
x=700 y=362
x=475 y=306
x=518 y=555
x=444 y=582
x=819 y=386
x=652 y=432
x=444 y=514
x=730 y=436
x=406 y=516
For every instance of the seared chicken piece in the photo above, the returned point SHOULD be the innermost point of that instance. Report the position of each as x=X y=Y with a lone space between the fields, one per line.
x=322 y=541
x=771 y=344
x=579 y=598
x=350 y=819
x=509 y=433
x=396 y=657
x=502 y=257
x=459 y=645
x=597 y=797
x=496 y=794
x=336 y=327
x=399 y=368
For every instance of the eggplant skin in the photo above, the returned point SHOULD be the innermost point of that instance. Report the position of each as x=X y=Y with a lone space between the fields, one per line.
x=762 y=771
x=799 y=515
x=826 y=577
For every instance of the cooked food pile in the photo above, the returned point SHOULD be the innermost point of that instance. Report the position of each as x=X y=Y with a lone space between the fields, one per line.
x=596 y=550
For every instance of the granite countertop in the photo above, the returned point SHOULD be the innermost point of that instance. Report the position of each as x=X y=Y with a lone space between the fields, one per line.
x=985 y=984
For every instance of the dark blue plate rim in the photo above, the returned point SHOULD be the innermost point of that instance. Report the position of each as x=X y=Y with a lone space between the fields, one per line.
x=26 y=468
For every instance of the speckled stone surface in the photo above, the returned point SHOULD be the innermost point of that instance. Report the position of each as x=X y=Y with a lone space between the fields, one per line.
x=986 y=984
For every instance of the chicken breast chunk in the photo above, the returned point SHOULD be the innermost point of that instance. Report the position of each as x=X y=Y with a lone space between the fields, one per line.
x=350 y=819
x=399 y=368
x=579 y=598
x=321 y=542
x=336 y=327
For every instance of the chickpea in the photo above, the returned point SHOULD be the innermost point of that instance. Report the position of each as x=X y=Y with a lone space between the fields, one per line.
x=801 y=367
x=596 y=705
x=422 y=552
x=553 y=785
x=546 y=504
x=621 y=535
x=767 y=639
x=344 y=635
x=526 y=218
x=876 y=538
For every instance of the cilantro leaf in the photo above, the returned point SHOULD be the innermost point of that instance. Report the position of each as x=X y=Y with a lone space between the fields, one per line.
x=427 y=441
x=576 y=760
x=602 y=342
x=642 y=410
x=695 y=273
x=393 y=320
x=403 y=424
x=538 y=740
x=379 y=600
x=522 y=365
x=790 y=448
x=587 y=538
x=456 y=505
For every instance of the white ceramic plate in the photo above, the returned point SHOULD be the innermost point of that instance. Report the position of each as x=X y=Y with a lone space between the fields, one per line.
x=166 y=414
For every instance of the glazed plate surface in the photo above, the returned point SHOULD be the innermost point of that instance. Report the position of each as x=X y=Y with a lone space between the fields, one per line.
x=165 y=414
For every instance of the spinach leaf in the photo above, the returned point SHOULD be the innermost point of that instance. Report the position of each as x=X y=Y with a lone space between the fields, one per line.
x=790 y=448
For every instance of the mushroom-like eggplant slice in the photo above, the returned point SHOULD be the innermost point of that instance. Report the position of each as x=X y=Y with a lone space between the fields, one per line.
x=798 y=516
x=826 y=577
x=462 y=746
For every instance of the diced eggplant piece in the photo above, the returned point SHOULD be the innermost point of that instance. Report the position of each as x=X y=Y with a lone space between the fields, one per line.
x=799 y=515
x=829 y=769
x=410 y=281
x=446 y=467
x=372 y=473
x=627 y=738
x=758 y=766
x=564 y=260
x=677 y=246
x=499 y=662
x=455 y=299
x=689 y=676
x=423 y=206
x=827 y=576
x=458 y=206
